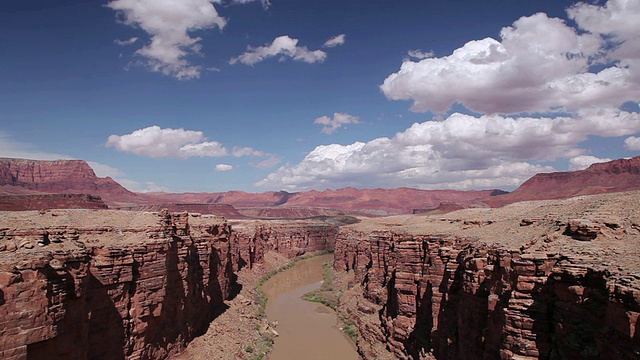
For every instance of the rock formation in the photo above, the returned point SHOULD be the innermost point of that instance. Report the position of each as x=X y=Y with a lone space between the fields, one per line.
x=50 y=201
x=88 y=284
x=291 y=238
x=544 y=280
x=61 y=177
x=613 y=176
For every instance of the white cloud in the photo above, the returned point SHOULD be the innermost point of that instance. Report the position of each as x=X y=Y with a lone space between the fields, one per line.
x=335 y=41
x=125 y=42
x=169 y=23
x=584 y=161
x=540 y=64
x=246 y=151
x=618 y=20
x=265 y=3
x=282 y=45
x=224 y=167
x=339 y=119
x=156 y=142
x=461 y=152
x=419 y=54
x=267 y=163
x=632 y=143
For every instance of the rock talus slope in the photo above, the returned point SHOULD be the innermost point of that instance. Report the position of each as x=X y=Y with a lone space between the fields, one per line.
x=543 y=280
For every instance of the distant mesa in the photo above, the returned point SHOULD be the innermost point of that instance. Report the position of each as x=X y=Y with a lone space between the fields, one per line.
x=32 y=184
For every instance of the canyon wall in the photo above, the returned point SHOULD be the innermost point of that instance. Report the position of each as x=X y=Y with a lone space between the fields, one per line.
x=291 y=238
x=50 y=201
x=82 y=284
x=123 y=290
x=570 y=291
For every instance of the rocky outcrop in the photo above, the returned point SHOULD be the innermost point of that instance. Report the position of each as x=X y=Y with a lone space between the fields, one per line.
x=50 y=201
x=538 y=288
x=140 y=286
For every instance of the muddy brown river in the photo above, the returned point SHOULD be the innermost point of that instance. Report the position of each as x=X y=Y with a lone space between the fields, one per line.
x=307 y=330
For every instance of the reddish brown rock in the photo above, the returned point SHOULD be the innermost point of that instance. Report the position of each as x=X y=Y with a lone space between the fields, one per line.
x=613 y=176
x=438 y=288
x=140 y=288
x=50 y=201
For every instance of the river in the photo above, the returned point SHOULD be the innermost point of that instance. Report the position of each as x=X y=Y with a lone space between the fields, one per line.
x=307 y=330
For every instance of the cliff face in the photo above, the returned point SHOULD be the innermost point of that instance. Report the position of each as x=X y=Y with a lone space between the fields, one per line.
x=292 y=238
x=81 y=284
x=549 y=292
x=48 y=201
x=61 y=176
x=136 y=291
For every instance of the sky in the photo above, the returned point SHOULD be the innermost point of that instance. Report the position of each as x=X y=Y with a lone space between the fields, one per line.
x=258 y=95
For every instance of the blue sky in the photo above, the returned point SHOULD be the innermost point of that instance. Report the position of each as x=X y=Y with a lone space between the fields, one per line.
x=198 y=95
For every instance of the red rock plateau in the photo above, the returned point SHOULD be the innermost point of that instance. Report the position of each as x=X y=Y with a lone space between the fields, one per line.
x=557 y=279
x=104 y=284
x=35 y=177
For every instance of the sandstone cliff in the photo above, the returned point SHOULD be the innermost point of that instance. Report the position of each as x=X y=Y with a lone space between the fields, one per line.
x=544 y=280
x=109 y=285
x=83 y=284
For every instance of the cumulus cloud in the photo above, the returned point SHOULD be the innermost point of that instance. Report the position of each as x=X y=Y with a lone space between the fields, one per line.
x=335 y=41
x=224 y=167
x=125 y=42
x=540 y=64
x=632 y=143
x=462 y=151
x=282 y=45
x=156 y=142
x=169 y=24
x=338 y=120
x=617 y=19
x=419 y=54
x=584 y=161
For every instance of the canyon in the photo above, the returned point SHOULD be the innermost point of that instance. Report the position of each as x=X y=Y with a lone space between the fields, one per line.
x=469 y=275
x=532 y=280
x=104 y=284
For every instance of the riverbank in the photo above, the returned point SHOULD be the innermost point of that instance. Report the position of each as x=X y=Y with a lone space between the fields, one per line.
x=306 y=330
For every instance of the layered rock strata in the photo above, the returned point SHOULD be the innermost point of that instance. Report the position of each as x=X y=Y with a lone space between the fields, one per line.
x=109 y=285
x=83 y=284
x=50 y=201
x=291 y=238
x=545 y=280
